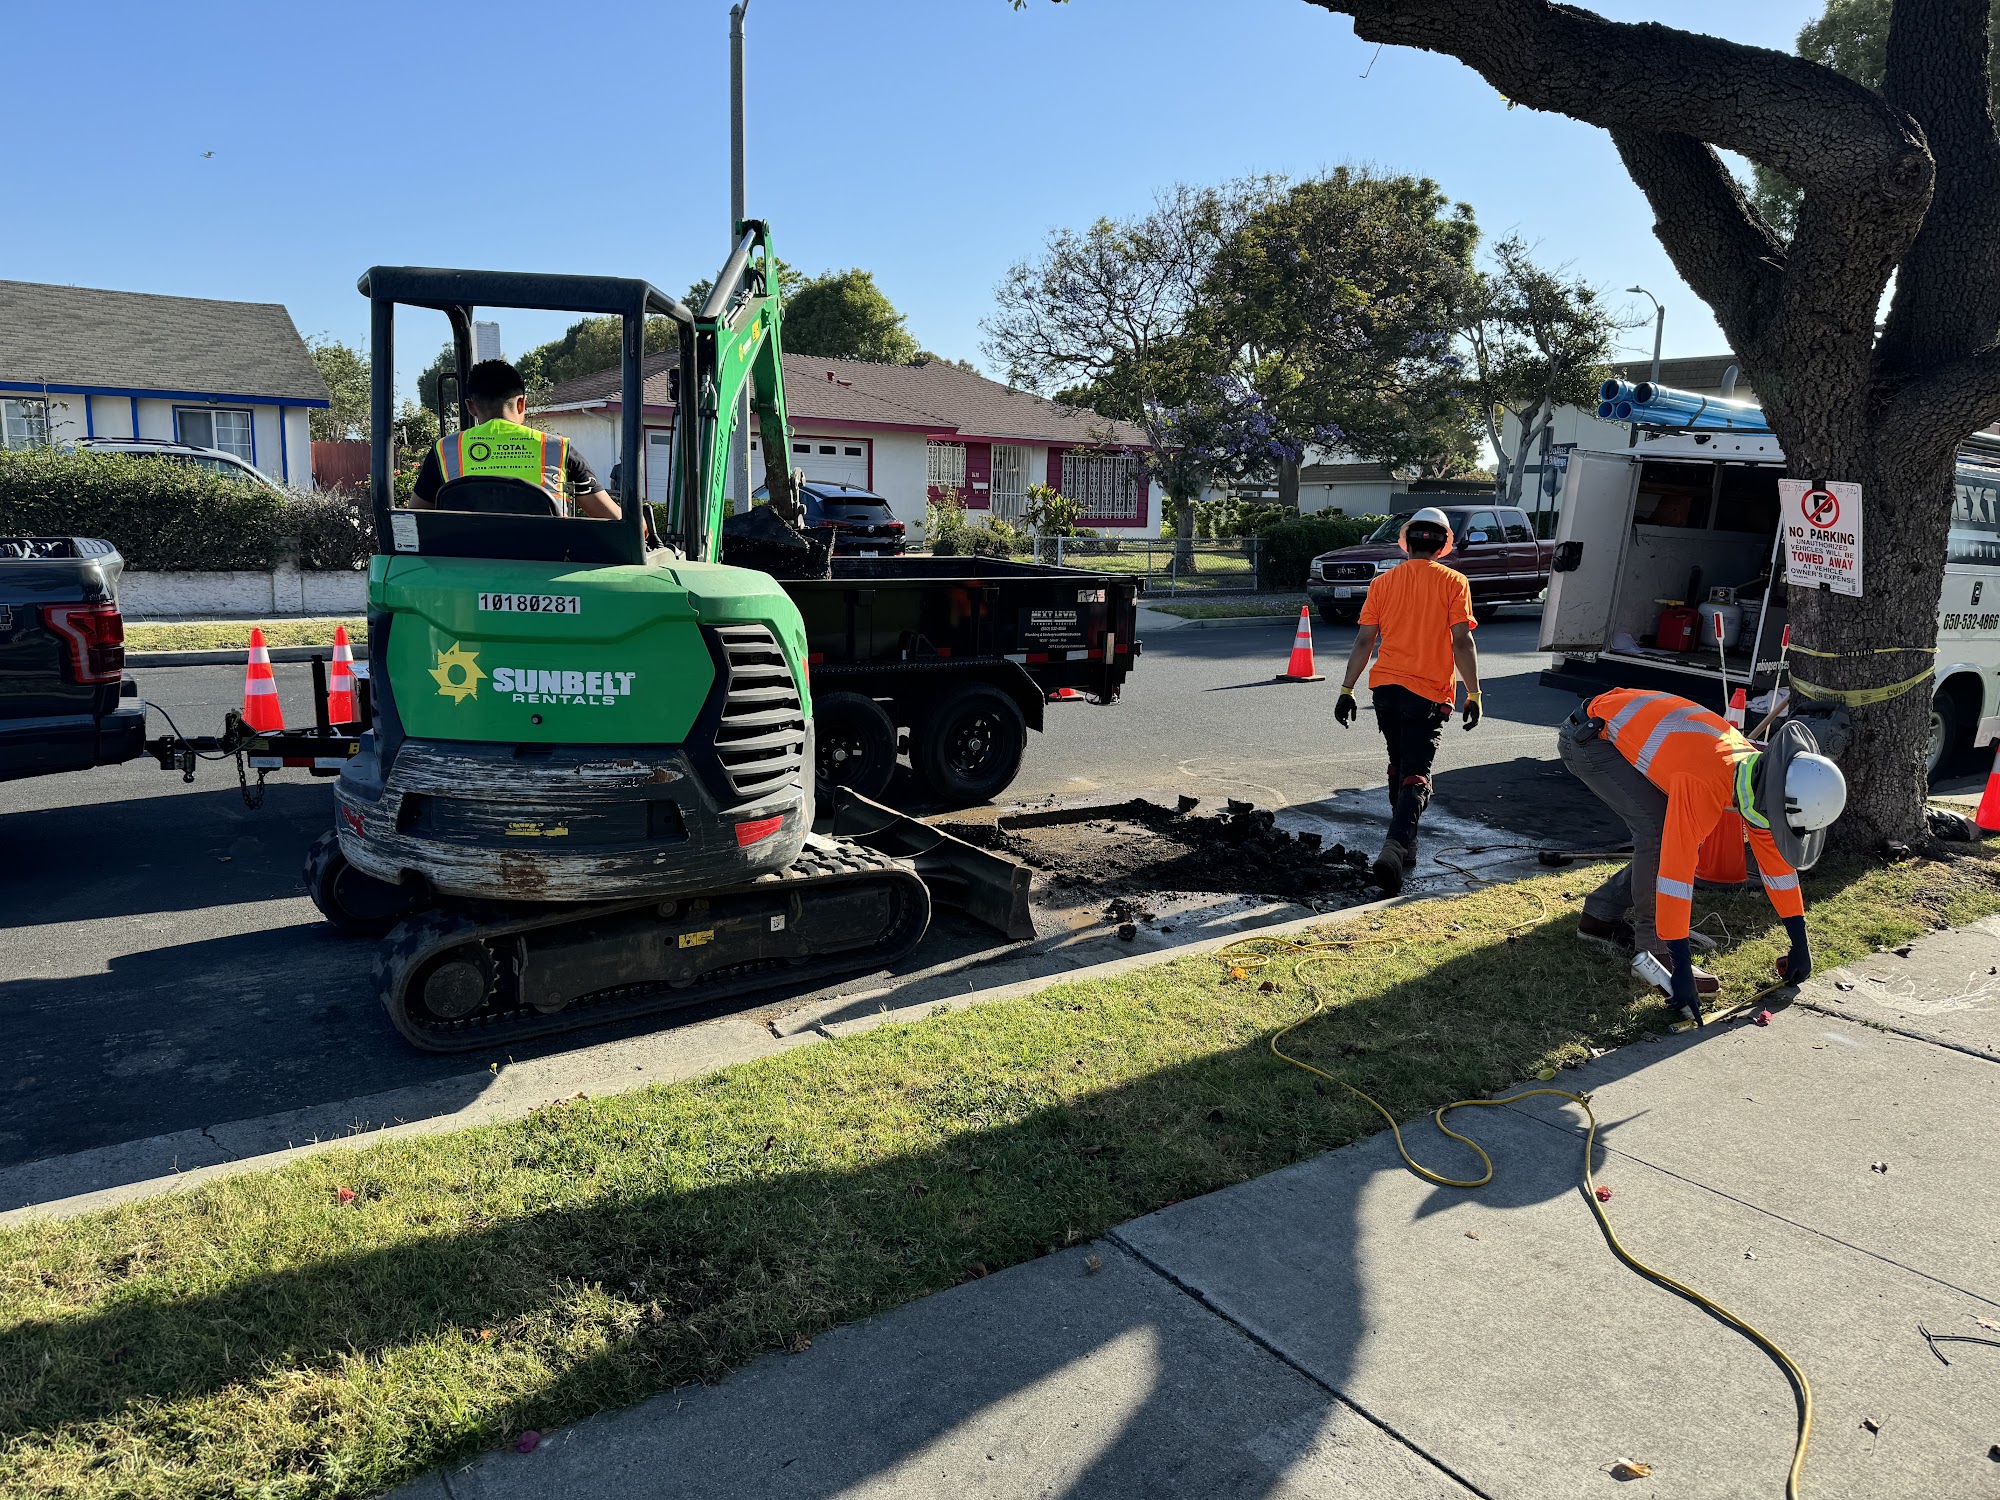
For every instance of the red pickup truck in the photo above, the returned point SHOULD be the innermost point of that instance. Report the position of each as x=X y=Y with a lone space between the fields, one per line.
x=1494 y=546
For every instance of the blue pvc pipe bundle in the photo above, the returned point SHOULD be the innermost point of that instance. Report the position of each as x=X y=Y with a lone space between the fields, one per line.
x=1662 y=406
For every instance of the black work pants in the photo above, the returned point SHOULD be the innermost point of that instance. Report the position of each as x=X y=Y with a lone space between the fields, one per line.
x=1410 y=724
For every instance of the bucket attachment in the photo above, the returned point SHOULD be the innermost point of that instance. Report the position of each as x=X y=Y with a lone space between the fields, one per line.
x=987 y=887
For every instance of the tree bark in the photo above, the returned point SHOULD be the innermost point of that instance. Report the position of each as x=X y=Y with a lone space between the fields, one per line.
x=1288 y=483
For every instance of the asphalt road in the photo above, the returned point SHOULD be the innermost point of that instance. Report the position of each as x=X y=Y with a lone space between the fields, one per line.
x=161 y=969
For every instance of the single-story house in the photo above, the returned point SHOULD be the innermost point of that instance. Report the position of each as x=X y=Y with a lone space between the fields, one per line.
x=79 y=362
x=908 y=432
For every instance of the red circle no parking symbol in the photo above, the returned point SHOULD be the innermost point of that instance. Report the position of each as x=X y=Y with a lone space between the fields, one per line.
x=1821 y=507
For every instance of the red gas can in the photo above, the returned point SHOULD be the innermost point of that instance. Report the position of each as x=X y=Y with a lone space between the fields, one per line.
x=1679 y=628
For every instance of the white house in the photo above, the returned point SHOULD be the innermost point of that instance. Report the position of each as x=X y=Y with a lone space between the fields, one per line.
x=908 y=432
x=79 y=362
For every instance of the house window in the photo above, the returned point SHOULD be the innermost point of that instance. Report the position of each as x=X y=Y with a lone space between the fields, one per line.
x=1106 y=485
x=210 y=427
x=24 y=424
x=947 y=461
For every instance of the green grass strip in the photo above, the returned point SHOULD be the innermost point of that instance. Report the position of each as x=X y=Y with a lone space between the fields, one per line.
x=234 y=635
x=259 y=1336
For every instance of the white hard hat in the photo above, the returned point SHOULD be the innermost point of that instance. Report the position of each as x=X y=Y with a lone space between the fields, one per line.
x=1799 y=793
x=1430 y=515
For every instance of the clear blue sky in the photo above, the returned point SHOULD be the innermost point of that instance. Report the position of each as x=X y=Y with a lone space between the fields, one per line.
x=932 y=141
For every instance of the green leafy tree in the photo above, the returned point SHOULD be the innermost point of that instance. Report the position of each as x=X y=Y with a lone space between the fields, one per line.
x=789 y=281
x=845 y=315
x=587 y=346
x=1109 y=318
x=1852 y=38
x=1535 y=340
x=345 y=372
x=1337 y=301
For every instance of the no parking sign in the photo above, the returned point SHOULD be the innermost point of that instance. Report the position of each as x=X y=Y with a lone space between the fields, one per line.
x=1822 y=529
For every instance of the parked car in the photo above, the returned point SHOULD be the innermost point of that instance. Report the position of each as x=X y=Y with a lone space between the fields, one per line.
x=858 y=522
x=65 y=702
x=226 y=464
x=1494 y=546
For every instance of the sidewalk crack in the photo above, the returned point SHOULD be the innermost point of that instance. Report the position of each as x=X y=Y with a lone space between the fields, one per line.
x=1286 y=1360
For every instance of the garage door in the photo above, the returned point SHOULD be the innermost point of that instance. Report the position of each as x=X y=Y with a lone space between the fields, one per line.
x=830 y=460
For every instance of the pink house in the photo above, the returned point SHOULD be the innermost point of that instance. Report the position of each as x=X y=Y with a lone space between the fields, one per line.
x=907 y=432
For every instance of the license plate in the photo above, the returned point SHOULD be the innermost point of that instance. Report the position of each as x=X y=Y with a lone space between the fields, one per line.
x=1343 y=593
x=531 y=604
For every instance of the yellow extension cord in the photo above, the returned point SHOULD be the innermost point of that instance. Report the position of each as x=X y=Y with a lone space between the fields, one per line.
x=1330 y=948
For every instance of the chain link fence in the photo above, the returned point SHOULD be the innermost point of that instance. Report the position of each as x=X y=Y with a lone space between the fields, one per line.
x=1169 y=567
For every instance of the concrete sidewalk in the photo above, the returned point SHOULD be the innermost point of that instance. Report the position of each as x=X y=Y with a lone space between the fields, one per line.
x=1340 y=1328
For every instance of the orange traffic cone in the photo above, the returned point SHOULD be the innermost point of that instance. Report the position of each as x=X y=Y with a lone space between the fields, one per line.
x=340 y=682
x=1738 y=709
x=1988 y=816
x=1301 y=666
x=260 y=689
x=1065 y=695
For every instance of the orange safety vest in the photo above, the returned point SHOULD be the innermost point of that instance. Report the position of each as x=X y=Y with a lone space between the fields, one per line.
x=509 y=450
x=1692 y=756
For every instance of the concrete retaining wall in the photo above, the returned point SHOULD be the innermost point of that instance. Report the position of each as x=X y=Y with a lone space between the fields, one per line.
x=220 y=595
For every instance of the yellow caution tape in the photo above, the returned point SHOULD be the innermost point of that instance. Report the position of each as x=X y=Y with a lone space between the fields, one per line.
x=1873 y=651
x=1859 y=697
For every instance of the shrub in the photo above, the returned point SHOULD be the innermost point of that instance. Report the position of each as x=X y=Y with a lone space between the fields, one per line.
x=950 y=533
x=1290 y=546
x=174 y=517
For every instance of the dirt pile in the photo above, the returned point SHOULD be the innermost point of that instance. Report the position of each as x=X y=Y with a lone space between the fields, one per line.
x=1129 y=850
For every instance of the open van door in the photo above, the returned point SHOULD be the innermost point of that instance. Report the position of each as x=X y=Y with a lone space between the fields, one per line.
x=1596 y=523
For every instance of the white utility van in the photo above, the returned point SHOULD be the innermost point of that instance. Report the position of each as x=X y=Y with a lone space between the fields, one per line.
x=1682 y=512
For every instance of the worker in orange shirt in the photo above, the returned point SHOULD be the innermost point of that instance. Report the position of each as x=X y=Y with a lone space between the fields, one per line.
x=1671 y=769
x=1421 y=613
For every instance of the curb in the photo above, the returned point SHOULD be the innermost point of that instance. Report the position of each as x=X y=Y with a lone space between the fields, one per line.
x=234 y=656
x=1231 y=621
x=272 y=1141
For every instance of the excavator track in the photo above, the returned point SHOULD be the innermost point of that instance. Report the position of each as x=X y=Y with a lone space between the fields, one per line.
x=467 y=977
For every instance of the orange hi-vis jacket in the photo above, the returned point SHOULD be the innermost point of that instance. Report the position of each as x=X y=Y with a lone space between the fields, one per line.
x=1691 y=755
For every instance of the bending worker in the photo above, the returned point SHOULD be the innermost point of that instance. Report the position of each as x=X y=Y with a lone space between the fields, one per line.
x=1671 y=770
x=505 y=447
x=1421 y=613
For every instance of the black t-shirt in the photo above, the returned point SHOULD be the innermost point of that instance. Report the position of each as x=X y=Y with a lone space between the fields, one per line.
x=578 y=479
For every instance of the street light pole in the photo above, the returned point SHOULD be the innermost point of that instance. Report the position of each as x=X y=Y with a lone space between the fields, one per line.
x=1659 y=325
x=739 y=451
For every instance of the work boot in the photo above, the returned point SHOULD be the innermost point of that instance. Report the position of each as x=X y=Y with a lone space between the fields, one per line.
x=1390 y=864
x=1614 y=934
x=1410 y=854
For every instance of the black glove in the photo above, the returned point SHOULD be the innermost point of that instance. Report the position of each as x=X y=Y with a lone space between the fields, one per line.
x=1471 y=712
x=1687 y=999
x=1796 y=967
x=1345 y=711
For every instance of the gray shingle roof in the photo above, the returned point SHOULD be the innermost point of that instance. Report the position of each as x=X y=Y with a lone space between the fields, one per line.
x=82 y=336
x=937 y=397
x=1698 y=372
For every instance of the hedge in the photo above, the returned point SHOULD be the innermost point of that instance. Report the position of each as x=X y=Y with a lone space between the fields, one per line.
x=175 y=517
x=1290 y=547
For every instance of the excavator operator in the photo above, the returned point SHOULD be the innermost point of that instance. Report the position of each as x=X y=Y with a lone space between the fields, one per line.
x=503 y=446
x=1421 y=612
x=1671 y=769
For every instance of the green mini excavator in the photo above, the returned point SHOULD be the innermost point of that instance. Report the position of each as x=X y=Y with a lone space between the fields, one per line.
x=588 y=788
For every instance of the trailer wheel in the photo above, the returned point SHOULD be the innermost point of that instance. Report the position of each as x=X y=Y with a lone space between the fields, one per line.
x=969 y=747
x=854 y=744
x=357 y=904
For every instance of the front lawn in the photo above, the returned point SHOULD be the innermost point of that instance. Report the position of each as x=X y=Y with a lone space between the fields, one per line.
x=234 y=635
x=340 y=1324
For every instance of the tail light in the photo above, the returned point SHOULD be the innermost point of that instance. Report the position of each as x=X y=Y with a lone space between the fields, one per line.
x=756 y=831
x=95 y=636
x=895 y=526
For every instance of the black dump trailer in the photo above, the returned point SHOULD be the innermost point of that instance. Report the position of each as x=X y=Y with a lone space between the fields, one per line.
x=953 y=660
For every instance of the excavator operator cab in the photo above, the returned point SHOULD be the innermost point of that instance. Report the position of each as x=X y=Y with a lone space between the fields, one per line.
x=486 y=516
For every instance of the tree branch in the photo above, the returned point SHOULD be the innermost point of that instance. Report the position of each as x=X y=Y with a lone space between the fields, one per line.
x=1716 y=240
x=1947 y=292
x=1796 y=117
x=1942 y=407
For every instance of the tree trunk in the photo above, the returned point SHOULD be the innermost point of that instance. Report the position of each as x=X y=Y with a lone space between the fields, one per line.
x=1184 y=558
x=1288 y=483
x=1529 y=431
x=1881 y=638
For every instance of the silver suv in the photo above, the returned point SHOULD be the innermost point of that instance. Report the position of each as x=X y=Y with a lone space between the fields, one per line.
x=226 y=464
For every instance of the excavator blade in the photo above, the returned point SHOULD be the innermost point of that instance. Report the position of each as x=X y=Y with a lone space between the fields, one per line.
x=987 y=887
